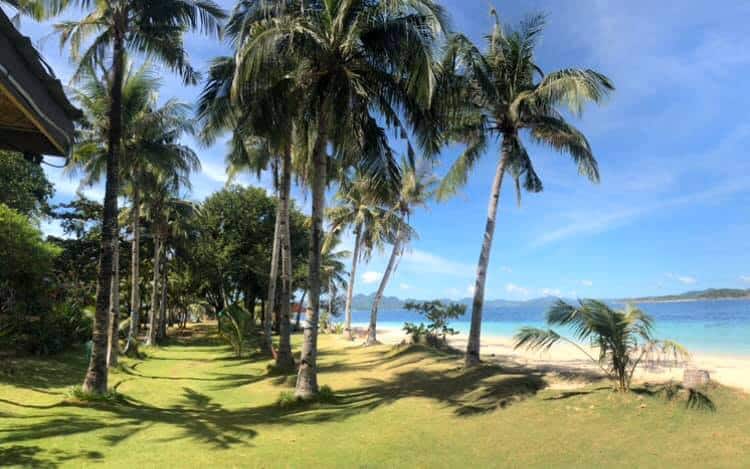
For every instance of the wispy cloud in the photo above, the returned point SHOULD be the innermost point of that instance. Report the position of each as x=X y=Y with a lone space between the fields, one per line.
x=745 y=278
x=587 y=283
x=422 y=261
x=404 y=286
x=683 y=279
x=517 y=290
x=551 y=292
x=371 y=277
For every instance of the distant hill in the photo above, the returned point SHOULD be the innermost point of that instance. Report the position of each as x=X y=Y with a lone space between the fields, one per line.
x=709 y=294
x=362 y=302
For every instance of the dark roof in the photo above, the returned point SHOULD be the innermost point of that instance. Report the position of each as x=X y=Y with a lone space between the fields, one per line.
x=29 y=88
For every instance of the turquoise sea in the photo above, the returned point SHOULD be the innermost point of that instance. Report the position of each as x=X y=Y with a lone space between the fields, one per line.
x=717 y=327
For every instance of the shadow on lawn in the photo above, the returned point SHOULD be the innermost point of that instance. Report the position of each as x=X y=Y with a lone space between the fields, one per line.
x=34 y=456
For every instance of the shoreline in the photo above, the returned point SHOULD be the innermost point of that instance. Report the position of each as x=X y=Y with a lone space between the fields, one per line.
x=570 y=368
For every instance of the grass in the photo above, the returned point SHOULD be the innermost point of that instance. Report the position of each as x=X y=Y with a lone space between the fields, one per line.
x=191 y=404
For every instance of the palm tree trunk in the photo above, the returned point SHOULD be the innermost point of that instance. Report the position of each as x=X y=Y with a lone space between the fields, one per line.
x=96 y=374
x=350 y=287
x=151 y=339
x=135 y=276
x=114 y=307
x=307 y=377
x=472 y=348
x=284 y=357
x=372 y=337
x=162 y=331
x=273 y=279
x=299 y=310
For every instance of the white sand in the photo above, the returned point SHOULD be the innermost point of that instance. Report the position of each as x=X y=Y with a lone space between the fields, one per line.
x=571 y=366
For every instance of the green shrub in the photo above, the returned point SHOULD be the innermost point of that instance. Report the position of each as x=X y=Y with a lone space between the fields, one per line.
x=287 y=399
x=435 y=333
x=76 y=393
x=26 y=285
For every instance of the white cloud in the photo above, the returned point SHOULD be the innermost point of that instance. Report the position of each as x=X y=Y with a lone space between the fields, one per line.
x=215 y=172
x=745 y=278
x=470 y=289
x=404 y=286
x=506 y=269
x=423 y=261
x=587 y=283
x=517 y=290
x=550 y=292
x=370 y=277
x=684 y=279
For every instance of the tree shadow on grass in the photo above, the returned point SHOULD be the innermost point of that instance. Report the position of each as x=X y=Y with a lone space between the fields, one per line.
x=36 y=457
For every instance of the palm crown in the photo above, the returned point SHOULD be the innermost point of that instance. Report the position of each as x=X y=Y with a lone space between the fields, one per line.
x=508 y=93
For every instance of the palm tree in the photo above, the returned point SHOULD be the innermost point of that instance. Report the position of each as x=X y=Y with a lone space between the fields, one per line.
x=417 y=187
x=155 y=28
x=506 y=94
x=624 y=339
x=148 y=134
x=359 y=205
x=333 y=271
x=36 y=9
x=347 y=62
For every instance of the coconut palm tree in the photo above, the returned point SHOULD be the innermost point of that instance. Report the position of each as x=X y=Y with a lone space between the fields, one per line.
x=334 y=273
x=359 y=205
x=506 y=95
x=349 y=63
x=417 y=187
x=148 y=142
x=36 y=9
x=154 y=28
x=623 y=339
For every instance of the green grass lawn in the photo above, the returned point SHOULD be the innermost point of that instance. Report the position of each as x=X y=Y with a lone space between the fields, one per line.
x=192 y=404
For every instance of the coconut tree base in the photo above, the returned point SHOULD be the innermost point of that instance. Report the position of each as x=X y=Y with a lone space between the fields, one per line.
x=472 y=360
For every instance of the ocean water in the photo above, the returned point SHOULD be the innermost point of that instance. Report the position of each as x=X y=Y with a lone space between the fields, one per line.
x=717 y=327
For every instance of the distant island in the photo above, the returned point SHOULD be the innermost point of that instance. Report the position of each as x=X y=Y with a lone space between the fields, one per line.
x=708 y=294
x=364 y=302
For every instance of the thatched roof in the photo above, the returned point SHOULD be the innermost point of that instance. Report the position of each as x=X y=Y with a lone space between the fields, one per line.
x=35 y=115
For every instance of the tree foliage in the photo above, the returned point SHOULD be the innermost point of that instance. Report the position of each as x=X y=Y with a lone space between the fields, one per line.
x=23 y=185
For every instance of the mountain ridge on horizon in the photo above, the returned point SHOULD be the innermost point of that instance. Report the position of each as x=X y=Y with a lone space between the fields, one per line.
x=364 y=302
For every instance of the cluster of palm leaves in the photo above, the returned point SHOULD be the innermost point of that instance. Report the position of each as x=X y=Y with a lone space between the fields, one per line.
x=623 y=339
x=312 y=92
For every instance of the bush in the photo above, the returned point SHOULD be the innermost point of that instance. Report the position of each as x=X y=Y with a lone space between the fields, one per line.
x=26 y=284
x=436 y=332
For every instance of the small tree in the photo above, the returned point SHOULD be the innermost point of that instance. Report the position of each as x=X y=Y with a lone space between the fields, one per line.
x=436 y=332
x=623 y=338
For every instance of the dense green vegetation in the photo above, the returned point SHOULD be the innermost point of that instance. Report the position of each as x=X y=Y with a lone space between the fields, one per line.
x=709 y=294
x=193 y=404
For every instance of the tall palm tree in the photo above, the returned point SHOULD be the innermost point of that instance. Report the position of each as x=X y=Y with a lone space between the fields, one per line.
x=148 y=142
x=36 y=9
x=417 y=187
x=334 y=273
x=506 y=95
x=359 y=205
x=155 y=28
x=350 y=63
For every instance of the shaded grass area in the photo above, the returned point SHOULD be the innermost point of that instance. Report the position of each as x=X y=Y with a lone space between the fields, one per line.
x=193 y=404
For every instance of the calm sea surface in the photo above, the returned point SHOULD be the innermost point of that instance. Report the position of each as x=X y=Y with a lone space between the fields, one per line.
x=702 y=326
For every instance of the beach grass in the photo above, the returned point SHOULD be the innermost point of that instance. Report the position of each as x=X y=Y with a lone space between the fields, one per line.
x=191 y=404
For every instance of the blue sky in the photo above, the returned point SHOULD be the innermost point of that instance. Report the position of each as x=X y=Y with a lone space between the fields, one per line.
x=671 y=212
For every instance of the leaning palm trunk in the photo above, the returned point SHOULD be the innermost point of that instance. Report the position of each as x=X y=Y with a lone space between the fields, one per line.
x=284 y=358
x=135 y=277
x=96 y=374
x=272 y=281
x=372 y=337
x=152 y=326
x=472 y=348
x=350 y=287
x=307 y=378
x=114 y=308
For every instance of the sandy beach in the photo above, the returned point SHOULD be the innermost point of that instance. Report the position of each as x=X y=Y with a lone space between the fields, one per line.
x=567 y=367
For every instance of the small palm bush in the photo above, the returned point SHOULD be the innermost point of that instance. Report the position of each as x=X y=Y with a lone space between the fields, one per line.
x=438 y=314
x=624 y=339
